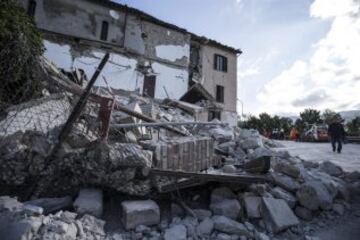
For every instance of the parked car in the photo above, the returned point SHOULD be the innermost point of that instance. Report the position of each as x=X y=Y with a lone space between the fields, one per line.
x=317 y=133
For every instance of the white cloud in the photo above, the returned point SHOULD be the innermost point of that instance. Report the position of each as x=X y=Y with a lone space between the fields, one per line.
x=330 y=78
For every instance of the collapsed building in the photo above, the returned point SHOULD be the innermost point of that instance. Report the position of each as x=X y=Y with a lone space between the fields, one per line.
x=98 y=162
x=149 y=56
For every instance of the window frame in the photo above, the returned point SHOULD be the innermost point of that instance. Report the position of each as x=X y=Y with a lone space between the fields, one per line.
x=220 y=63
x=104 y=34
x=220 y=94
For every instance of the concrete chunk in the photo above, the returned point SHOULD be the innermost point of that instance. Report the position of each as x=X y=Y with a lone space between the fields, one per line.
x=278 y=192
x=252 y=206
x=135 y=213
x=51 y=205
x=314 y=195
x=89 y=201
x=277 y=215
x=285 y=182
x=228 y=207
x=226 y=225
x=177 y=232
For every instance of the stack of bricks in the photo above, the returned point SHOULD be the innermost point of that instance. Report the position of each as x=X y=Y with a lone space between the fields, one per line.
x=190 y=154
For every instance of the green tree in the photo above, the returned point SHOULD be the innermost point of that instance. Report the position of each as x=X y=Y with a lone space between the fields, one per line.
x=329 y=116
x=300 y=125
x=353 y=127
x=267 y=122
x=286 y=124
x=310 y=116
x=21 y=46
x=253 y=123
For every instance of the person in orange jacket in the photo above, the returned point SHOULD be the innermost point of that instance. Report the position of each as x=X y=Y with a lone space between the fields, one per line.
x=294 y=134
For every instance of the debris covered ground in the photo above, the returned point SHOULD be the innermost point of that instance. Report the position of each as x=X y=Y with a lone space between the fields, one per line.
x=114 y=177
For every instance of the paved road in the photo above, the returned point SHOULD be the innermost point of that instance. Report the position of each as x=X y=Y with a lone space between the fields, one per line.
x=349 y=159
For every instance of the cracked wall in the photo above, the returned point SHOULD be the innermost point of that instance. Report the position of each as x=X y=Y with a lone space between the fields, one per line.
x=132 y=42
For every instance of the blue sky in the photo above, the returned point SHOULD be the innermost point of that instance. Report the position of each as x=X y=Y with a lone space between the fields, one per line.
x=293 y=50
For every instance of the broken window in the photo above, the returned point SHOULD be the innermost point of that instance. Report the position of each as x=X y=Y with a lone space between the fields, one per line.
x=220 y=63
x=219 y=93
x=104 y=30
x=31 y=8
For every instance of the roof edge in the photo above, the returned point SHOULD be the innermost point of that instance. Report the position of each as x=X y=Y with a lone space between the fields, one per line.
x=150 y=18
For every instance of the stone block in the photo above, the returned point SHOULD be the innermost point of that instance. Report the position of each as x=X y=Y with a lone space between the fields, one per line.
x=277 y=215
x=136 y=213
x=51 y=205
x=252 y=206
x=89 y=201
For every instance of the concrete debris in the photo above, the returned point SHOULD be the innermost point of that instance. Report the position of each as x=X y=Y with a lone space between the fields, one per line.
x=137 y=161
x=252 y=206
x=221 y=194
x=277 y=214
x=202 y=214
x=314 y=195
x=52 y=205
x=89 y=201
x=140 y=213
x=330 y=168
x=205 y=227
x=228 y=207
x=285 y=182
x=280 y=193
x=177 y=232
x=227 y=225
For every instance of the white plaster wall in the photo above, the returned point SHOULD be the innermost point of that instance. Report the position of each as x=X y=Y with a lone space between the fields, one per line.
x=172 y=52
x=174 y=80
x=120 y=71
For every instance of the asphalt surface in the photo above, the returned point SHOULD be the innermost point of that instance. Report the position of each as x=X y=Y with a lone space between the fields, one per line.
x=348 y=159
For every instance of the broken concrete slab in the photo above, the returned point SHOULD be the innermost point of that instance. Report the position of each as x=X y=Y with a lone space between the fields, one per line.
x=89 y=201
x=227 y=225
x=228 y=207
x=143 y=212
x=252 y=206
x=314 y=195
x=290 y=199
x=285 y=182
x=277 y=215
x=51 y=205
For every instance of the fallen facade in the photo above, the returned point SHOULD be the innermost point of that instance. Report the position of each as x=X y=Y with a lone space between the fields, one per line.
x=148 y=56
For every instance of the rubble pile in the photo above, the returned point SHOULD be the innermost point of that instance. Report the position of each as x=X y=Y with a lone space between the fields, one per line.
x=294 y=198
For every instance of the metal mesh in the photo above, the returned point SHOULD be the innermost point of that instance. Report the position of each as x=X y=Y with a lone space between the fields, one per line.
x=47 y=112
